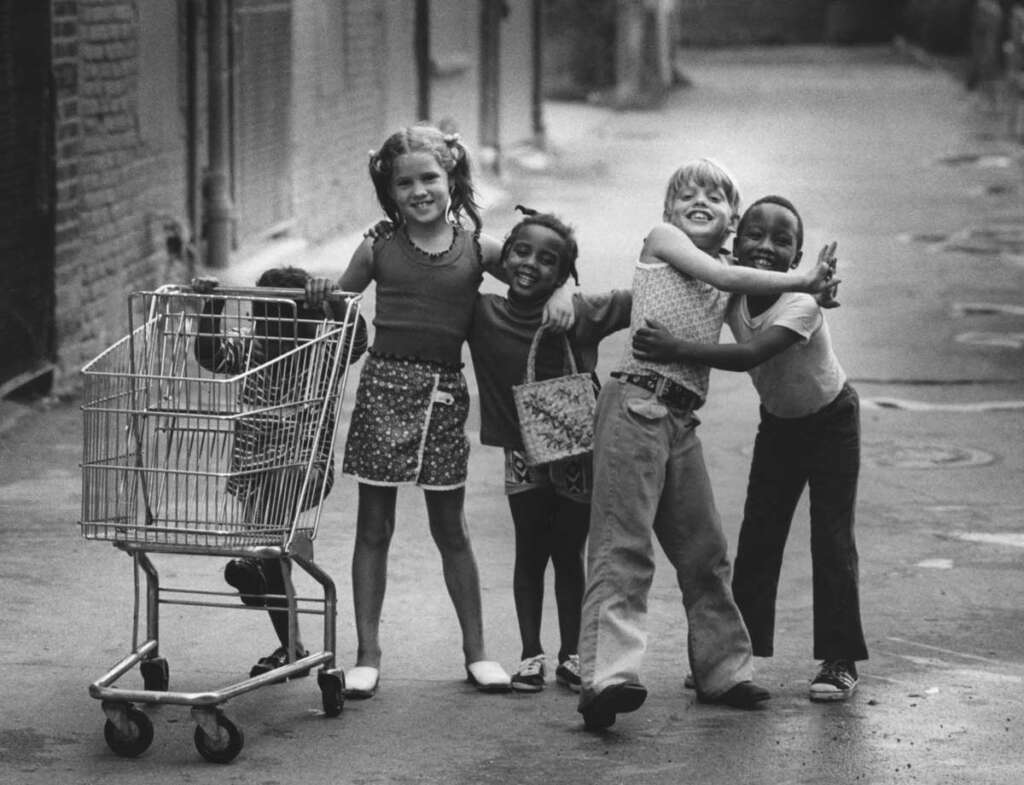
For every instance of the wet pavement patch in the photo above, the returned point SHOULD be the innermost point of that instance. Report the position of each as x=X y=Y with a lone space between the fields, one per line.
x=987 y=240
x=1003 y=340
x=995 y=239
x=979 y=160
x=999 y=189
x=921 y=455
x=28 y=747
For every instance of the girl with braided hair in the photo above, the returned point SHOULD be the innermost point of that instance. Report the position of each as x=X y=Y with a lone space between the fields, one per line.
x=408 y=425
x=550 y=503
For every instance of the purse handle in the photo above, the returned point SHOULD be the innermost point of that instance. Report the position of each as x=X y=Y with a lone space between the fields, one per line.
x=531 y=359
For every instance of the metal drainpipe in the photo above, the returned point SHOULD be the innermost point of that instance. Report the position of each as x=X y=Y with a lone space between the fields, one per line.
x=491 y=14
x=539 y=131
x=424 y=68
x=217 y=181
x=193 y=90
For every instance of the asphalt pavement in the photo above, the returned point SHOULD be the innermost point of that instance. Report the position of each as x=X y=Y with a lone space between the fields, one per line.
x=916 y=180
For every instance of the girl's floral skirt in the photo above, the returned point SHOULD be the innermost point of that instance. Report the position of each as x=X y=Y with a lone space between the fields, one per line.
x=409 y=425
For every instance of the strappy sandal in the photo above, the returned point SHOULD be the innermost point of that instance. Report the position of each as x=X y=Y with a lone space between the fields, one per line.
x=278 y=660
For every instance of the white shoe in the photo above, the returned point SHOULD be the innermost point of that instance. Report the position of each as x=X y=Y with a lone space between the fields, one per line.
x=488 y=676
x=361 y=682
x=529 y=676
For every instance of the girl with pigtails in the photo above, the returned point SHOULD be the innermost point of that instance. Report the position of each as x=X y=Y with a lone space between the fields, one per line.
x=408 y=424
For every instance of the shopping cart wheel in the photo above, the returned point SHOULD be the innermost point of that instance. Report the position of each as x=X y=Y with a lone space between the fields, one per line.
x=222 y=747
x=156 y=674
x=133 y=738
x=332 y=690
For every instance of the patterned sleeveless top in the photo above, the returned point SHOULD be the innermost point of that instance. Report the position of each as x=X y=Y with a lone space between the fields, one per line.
x=689 y=308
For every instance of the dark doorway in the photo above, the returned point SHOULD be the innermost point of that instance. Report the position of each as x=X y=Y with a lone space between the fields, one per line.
x=27 y=333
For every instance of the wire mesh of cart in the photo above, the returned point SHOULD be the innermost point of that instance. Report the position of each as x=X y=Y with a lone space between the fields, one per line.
x=209 y=429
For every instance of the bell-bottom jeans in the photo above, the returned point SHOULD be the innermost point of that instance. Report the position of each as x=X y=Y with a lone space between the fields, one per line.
x=650 y=477
x=820 y=451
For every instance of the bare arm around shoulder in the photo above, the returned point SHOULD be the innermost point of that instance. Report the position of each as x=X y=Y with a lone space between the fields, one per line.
x=356 y=278
x=490 y=257
x=654 y=342
x=668 y=244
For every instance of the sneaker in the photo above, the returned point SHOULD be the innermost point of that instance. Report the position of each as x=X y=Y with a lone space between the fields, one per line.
x=568 y=672
x=246 y=577
x=836 y=681
x=529 y=676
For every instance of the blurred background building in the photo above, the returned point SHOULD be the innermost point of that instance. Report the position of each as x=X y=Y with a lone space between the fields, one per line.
x=142 y=139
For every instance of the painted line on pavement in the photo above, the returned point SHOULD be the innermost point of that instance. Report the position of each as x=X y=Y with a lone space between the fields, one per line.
x=952 y=382
x=936 y=564
x=886 y=679
x=953 y=652
x=1000 y=340
x=1013 y=539
x=903 y=404
x=987 y=309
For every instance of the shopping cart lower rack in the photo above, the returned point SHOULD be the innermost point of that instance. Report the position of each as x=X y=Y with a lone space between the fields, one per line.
x=209 y=430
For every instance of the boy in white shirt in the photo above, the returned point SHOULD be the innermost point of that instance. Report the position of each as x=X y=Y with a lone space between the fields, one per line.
x=809 y=435
x=649 y=471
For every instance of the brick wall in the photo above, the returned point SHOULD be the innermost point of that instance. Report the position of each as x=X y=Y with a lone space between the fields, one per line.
x=122 y=170
x=68 y=131
x=355 y=82
x=340 y=110
x=114 y=188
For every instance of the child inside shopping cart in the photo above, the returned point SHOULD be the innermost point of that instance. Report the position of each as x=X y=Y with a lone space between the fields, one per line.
x=264 y=487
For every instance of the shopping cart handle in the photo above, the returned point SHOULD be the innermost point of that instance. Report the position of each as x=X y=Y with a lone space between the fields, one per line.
x=260 y=292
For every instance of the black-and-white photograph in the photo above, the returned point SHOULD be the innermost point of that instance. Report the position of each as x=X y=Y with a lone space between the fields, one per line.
x=527 y=392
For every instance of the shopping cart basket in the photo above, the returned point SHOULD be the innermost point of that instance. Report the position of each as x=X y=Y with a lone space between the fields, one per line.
x=209 y=430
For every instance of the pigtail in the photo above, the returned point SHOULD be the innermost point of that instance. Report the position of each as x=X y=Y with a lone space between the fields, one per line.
x=555 y=224
x=379 y=166
x=450 y=153
x=461 y=181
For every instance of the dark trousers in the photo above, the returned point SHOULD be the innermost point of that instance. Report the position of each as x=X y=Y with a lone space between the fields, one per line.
x=821 y=451
x=549 y=527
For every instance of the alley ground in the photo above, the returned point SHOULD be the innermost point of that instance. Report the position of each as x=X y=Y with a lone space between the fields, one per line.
x=915 y=180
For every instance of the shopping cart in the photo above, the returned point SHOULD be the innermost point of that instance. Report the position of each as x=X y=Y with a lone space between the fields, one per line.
x=229 y=460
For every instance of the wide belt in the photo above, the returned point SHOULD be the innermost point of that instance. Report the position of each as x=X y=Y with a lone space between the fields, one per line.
x=665 y=390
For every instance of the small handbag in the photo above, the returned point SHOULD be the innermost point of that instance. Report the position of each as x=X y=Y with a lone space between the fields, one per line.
x=556 y=416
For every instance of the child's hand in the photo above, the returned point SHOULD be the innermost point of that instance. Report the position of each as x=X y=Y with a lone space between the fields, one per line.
x=204 y=284
x=335 y=305
x=827 y=298
x=822 y=278
x=316 y=291
x=654 y=342
x=212 y=306
x=559 y=315
x=382 y=229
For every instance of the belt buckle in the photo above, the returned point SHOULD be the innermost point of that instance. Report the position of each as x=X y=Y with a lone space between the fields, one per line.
x=662 y=387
